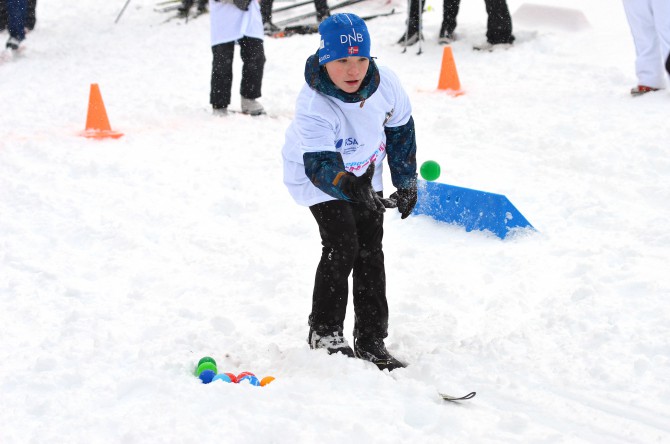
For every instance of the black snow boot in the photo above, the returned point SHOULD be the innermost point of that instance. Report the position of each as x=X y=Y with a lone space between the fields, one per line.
x=374 y=350
x=333 y=342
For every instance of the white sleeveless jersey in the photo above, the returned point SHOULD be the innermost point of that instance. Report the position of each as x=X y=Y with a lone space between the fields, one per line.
x=324 y=123
x=229 y=23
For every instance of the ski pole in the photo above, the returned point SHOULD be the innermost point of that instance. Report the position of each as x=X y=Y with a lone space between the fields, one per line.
x=420 y=24
x=409 y=11
x=121 y=13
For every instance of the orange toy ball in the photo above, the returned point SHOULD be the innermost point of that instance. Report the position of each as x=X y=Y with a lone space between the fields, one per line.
x=265 y=381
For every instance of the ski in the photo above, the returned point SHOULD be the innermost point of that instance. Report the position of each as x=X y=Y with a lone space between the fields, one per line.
x=343 y=4
x=294 y=5
x=296 y=30
x=242 y=113
x=383 y=14
x=488 y=47
x=168 y=8
x=197 y=14
x=174 y=17
x=457 y=398
x=191 y=16
x=238 y=112
x=314 y=28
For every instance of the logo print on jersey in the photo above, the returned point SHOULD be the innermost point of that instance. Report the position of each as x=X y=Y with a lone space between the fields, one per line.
x=350 y=145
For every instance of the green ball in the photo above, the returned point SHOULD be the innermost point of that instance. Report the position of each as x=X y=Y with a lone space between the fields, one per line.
x=430 y=170
x=205 y=366
x=207 y=359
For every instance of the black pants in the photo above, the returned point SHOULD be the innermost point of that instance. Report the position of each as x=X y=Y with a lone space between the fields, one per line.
x=253 y=61
x=415 y=7
x=322 y=10
x=351 y=236
x=186 y=4
x=498 y=26
x=30 y=19
x=449 y=13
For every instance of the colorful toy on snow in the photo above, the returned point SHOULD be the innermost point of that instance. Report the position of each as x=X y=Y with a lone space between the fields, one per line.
x=207 y=372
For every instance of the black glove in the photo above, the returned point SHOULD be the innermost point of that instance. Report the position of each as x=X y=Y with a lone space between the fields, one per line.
x=405 y=199
x=359 y=189
x=389 y=202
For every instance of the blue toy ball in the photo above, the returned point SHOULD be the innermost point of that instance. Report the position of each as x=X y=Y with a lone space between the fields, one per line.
x=206 y=376
x=252 y=380
x=222 y=377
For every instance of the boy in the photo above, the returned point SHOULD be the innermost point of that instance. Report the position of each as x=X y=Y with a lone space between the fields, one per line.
x=350 y=115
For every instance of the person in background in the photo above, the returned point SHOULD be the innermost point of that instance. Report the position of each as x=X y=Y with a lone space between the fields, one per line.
x=413 y=32
x=649 y=22
x=322 y=12
x=16 y=15
x=350 y=115
x=239 y=22
x=498 y=25
x=186 y=5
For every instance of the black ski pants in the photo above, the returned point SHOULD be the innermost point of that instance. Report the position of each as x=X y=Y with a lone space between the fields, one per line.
x=29 y=21
x=187 y=4
x=499 y=24
x=415 y=8
x=351 y=238
x=253 y=61
x=30 y=15
x=14 y=18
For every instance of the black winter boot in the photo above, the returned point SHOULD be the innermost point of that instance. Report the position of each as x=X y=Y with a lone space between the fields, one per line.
x=374 y=350
x=333 y=342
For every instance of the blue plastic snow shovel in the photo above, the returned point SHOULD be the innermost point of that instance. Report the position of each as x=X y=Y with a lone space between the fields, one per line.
x=472 y=209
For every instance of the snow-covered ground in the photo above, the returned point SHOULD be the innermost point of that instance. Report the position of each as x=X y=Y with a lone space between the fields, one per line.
x=122 y=262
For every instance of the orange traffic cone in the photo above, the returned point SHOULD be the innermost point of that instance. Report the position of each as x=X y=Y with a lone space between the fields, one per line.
x=97 y=123
x=448 y=75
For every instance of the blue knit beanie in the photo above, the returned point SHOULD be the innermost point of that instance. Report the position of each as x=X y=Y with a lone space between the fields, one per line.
x=343 y=35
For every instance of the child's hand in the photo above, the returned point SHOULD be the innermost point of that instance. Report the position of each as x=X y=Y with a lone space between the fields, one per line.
x=405 y=199
x=359 y=189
